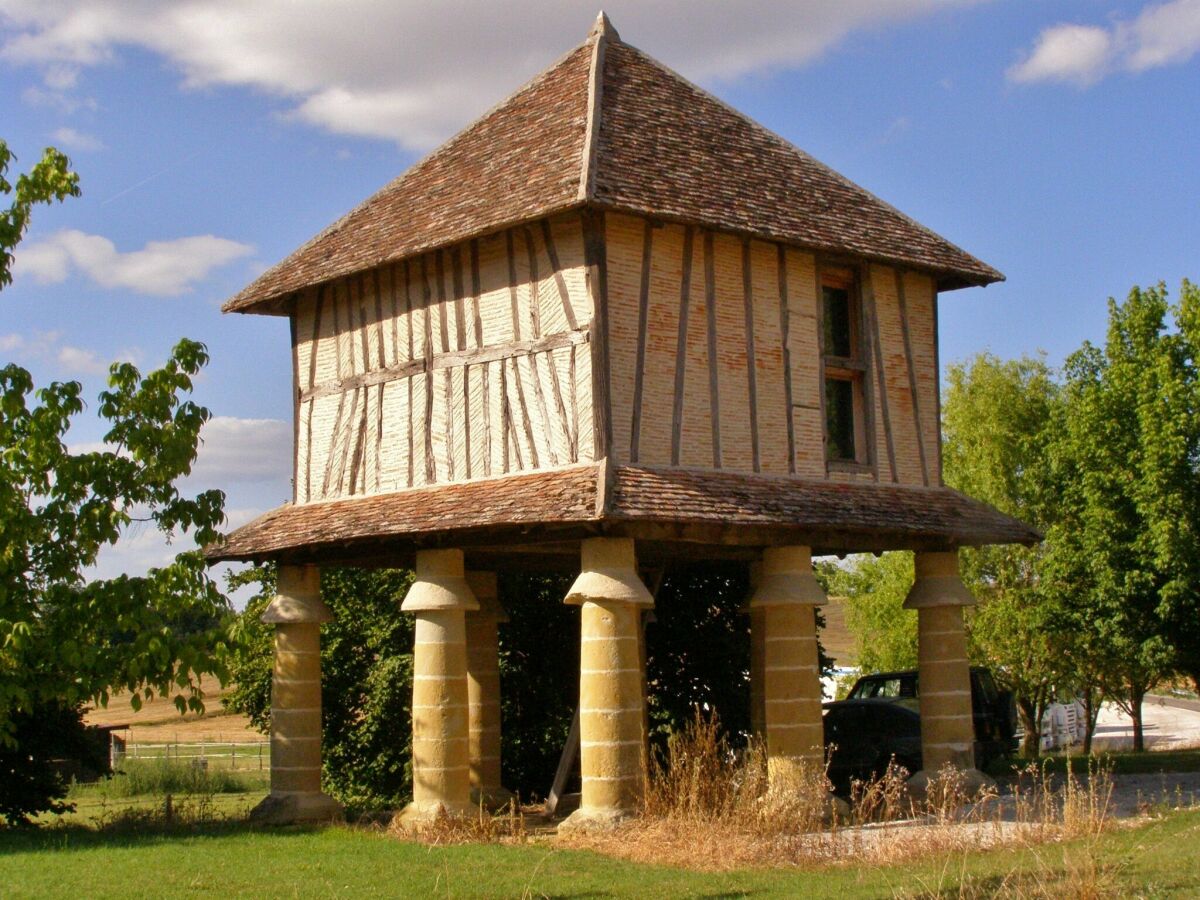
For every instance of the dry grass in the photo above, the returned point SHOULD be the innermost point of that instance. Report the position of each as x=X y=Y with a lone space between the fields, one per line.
x=710 y=808
x=484 y=827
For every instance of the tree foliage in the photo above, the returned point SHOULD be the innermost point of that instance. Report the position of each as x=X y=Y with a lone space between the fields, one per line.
x=874 y=588
x=49 y=180
x=1125 y=551
x=366 y=679
x=67 y=638
x=698 y=649
x=998 y=420
x=1106 y=461
x=697 y=654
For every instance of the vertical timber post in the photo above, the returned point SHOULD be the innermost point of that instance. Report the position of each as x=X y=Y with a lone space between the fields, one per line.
x=297 y=613
x=611 y=754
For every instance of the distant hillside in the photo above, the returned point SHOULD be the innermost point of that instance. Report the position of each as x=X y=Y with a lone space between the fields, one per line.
x=159 y=721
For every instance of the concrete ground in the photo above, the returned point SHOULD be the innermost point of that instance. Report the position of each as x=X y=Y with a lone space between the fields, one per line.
x=1166 y=727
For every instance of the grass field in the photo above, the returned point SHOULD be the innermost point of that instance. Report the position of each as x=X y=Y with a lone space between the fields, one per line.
x=1159 y=859
x=1119 y=763
x=118 y=843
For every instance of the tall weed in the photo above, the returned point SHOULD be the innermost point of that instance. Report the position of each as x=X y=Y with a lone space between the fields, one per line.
x=158 y=777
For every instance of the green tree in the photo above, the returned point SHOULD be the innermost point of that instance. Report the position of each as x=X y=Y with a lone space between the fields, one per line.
x=366 y=678
x=997 y=422
x=698 y=649
x=1124 y=551
x=67 y=639
x=49 y=181
x=698 y=654
x=875 y=587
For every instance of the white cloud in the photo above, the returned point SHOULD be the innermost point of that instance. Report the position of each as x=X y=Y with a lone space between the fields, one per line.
x=62 y=101
x=240 y=450
x=67 y=138
x=414 y=71
x=61 y=77
x=40 y=344
x=78 y=361
x=161 y=268
x=1162 y=34
x=1078 y=53
x=66 y=360
x=232 y=451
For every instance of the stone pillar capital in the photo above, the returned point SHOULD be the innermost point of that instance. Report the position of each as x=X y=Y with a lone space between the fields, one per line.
x=297 y=598
x=440 y=584
x=483 y=586
x=786 y=579
x=937 y=582
x=609 y=574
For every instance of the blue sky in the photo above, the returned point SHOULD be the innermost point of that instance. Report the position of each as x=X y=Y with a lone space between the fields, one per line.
x=1058 y=141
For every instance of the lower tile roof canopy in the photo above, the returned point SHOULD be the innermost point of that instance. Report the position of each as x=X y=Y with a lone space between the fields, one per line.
x=718 y=509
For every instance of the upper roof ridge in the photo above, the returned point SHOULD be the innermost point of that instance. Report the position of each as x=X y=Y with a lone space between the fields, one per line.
x=609 y=126
x=602 y=32
x=603 y=27
x=788 y=146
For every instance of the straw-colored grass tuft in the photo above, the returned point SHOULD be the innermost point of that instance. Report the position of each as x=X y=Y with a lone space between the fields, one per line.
x=481 y=827
x=709 y=807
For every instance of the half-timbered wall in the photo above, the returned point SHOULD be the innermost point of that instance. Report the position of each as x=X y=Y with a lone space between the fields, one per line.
x=715 y=357
x=465 y=363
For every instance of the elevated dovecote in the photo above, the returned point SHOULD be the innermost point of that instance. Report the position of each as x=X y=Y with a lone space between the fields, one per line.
x=615 y=305
x=616 y=325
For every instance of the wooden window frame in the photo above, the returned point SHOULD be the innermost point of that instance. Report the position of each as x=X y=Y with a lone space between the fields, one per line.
x=855 y=369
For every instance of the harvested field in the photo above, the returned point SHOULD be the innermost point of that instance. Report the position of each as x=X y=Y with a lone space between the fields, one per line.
x=158 y=721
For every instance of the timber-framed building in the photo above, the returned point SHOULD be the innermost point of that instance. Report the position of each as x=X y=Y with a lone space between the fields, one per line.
x=612 y=323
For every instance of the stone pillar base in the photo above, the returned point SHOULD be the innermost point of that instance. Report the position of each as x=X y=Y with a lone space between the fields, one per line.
x=418 y=815
x=494 y=799
x=973 y=781
x=297 y=809
x=594 y=819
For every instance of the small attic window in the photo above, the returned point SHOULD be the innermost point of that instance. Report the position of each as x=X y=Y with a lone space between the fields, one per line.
x=845 y=369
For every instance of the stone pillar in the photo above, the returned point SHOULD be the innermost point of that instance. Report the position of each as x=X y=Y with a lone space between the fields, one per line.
x=297 y=613
x=944 y=674
x=758 y=647
x=483 y=693
x=785 y=600
x=440 y=599
x=611 y=752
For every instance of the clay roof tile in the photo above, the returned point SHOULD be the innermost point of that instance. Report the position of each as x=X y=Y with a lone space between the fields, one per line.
x=609 y=126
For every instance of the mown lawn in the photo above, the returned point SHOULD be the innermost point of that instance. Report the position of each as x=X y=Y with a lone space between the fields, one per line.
x=1161 y=859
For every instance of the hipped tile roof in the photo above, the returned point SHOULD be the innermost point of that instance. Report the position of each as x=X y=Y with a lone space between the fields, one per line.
x=523 y=507
x=862 y=511
x=520 y=501
x=609 y=127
